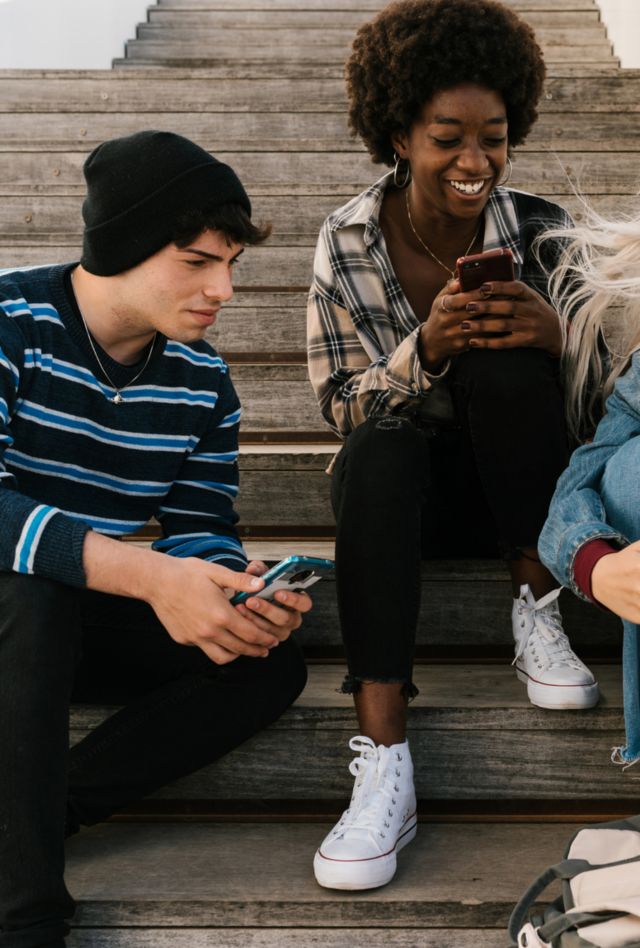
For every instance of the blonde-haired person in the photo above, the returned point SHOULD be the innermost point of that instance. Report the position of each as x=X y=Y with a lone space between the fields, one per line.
x=590 y=541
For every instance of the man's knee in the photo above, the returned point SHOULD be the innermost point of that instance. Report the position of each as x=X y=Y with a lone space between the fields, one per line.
x=37 y=613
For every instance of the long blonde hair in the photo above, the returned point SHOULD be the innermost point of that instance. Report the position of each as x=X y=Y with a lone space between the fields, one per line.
x=596 y=282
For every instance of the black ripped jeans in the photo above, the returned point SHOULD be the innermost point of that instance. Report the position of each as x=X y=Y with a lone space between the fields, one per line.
x=403 y=493
x=59 y=644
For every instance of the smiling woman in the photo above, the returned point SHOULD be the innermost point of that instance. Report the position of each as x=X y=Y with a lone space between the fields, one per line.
x=450 y=402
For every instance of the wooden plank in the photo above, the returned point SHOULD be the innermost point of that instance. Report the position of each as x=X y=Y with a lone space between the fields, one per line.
x=194 y=29
x=463 y=715
x=178 y=90
x=277 y=173
x=31 y=221
x=182 y=51
x=367 y=6
x=283 y=131
x=285 y=938
x=346 y=19
x=176 y=876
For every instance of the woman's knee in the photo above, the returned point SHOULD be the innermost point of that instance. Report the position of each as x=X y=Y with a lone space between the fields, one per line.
x=619 y=490
x=380 y=452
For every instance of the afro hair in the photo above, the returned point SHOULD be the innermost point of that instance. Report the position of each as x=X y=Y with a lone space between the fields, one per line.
x=415 y=48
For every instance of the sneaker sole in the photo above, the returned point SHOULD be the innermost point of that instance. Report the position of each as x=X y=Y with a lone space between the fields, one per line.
x=356 y=874
x=559 y=697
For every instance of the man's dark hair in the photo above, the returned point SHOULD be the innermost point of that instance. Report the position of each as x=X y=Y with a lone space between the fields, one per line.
x=415 y=48
x=230 y=219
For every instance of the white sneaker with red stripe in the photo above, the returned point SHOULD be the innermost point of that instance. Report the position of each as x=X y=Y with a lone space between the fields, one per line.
x=360 y=851
x=554 y=675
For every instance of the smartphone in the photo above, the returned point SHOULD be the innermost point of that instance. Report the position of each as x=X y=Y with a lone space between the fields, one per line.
x=479 y=268
x=294 y=573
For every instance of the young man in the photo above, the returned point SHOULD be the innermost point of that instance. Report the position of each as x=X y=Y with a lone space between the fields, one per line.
x=113 y=409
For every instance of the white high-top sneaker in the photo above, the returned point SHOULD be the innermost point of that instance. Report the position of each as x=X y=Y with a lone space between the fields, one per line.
x=554 y=675
x=360 y=851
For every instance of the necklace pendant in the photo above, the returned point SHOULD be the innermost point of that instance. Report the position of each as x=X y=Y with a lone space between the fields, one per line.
x=117 y=399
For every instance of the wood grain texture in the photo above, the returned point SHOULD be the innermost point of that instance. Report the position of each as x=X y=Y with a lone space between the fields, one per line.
x=310 y=19
x=197 y=875
x=268 y=131
x=200 y=52
x=282 y=173
x=210 y=937
x=473 y=734
x=195 y=29
x=367 y=6
x=179 y=90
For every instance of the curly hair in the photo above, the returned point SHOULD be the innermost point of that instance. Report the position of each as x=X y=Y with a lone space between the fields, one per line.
x=415 y=48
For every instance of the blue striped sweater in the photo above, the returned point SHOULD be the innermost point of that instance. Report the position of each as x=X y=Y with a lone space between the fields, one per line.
x=71 y=460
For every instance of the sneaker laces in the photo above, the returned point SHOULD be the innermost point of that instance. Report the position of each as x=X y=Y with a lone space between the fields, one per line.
x=376 y=810
x=618 y=758
x=363 y=768
x=545 y=628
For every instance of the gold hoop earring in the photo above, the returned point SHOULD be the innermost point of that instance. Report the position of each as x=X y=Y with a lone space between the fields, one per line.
x=407 y=174
x=504 y=181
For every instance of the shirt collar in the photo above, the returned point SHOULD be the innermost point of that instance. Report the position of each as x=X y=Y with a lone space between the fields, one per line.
x=501 y=228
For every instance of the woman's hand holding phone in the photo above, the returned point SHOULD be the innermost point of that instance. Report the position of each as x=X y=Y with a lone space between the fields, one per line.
x=477 y=310
x=514 y=309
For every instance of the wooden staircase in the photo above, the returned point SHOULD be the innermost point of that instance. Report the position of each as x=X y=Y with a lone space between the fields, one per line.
x=223 y=858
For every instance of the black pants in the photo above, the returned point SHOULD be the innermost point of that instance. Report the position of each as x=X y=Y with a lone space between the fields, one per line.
x=402 y=493
x=59 y=644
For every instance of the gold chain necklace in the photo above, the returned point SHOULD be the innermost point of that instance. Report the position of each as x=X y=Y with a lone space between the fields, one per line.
x=451 y=273
x=117 y=398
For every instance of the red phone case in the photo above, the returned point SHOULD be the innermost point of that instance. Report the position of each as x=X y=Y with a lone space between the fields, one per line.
x=479 y=268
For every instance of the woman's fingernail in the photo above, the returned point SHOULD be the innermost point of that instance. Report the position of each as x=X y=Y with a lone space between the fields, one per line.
x=473 y=343
x=256 y=583
x=486 y=289
x=472 y=307
x=465 y=325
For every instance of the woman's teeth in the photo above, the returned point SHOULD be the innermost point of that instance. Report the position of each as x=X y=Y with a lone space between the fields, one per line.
x=468 y=187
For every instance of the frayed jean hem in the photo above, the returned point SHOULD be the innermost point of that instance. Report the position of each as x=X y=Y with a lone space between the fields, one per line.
x=352 y=684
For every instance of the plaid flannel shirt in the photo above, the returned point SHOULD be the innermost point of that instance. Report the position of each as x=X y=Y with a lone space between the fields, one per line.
x=362 y=333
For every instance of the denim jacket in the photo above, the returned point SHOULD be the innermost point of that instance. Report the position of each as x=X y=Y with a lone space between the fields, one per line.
x=577 y=513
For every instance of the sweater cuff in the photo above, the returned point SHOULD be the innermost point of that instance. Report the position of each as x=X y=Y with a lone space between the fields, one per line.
x=584 y=562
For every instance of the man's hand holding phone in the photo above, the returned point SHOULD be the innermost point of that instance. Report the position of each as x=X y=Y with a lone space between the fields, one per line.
x=278 y=616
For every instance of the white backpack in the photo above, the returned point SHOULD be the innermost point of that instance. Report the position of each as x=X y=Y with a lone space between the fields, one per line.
x=600 y=902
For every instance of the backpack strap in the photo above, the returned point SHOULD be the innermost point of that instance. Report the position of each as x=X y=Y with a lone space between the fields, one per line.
x=562 y=923
x=563 y=870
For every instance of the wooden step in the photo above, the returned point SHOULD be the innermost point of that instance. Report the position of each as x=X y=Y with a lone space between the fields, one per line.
x=473 y=733
x=190 y=886
x=285 y=174
x=203 y=54
x=197 y=30
x=364 y=6
x=177 y=91
x=268 y=131
x=310 y=19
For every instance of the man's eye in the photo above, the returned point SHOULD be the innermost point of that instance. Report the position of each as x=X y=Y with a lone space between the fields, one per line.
x=194 y=263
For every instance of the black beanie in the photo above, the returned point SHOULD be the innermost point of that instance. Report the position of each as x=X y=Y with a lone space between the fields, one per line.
x=137 y=189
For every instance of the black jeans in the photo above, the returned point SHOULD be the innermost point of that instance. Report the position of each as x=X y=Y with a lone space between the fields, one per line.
x=59 y=644
x=402 y=493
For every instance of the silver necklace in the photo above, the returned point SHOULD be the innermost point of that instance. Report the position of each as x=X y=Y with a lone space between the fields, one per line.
x=117 y=398
x=451 y=273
